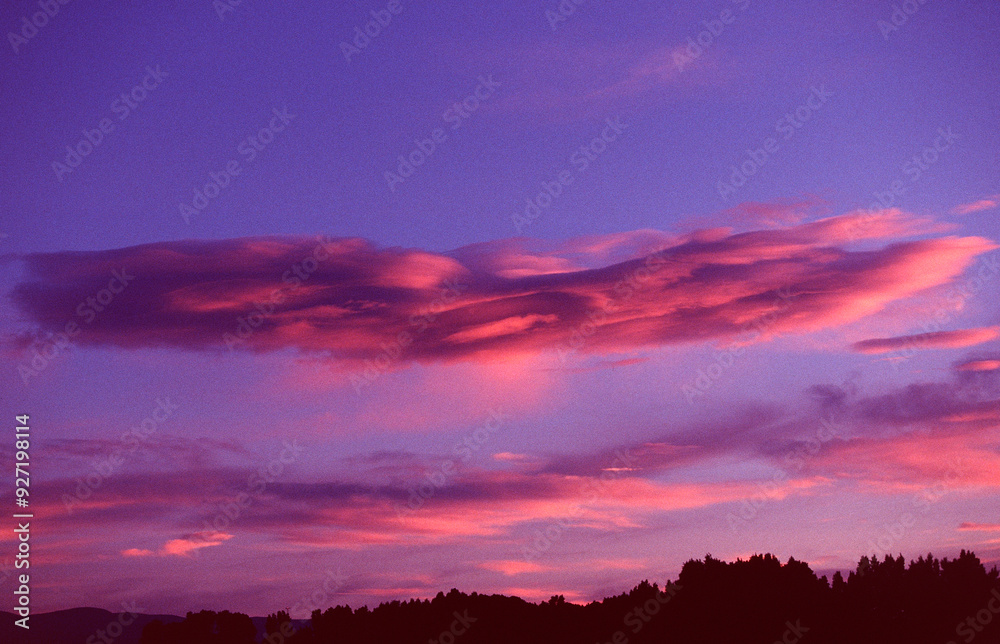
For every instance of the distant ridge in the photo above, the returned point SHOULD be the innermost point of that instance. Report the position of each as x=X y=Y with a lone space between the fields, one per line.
x=75 y=625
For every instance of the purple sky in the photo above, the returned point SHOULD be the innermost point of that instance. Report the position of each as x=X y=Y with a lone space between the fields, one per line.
x=727 y=297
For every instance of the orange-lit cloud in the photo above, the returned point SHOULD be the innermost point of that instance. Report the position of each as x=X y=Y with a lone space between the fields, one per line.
x=182 y=547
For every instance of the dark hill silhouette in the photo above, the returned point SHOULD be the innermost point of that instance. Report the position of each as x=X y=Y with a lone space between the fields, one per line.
x=75 y=625
x=755 y=601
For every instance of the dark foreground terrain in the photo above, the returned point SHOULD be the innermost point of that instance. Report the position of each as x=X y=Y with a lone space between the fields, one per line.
x=933 y=601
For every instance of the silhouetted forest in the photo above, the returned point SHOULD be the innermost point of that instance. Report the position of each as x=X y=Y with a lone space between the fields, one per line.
x=760 y=600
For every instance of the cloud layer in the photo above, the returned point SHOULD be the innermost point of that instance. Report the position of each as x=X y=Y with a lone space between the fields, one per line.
x=350 y=300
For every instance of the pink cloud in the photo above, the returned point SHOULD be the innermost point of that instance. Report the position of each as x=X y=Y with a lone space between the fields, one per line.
x=931 y=465
x=976 y=206
x=984 y=527
x=935 y=340
x=775 y=214
x=182 y=547
x=351 y=301
x=517 y=500
x=513 y=567
x=510 y=456
x=979 y=365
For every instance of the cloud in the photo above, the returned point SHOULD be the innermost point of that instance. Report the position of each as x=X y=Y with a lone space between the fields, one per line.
x=577 y=81
x=182 y=547
x=935 y=340
x=346 y=299
x=979 y=365
x=513 y=567
x=929 y=404
x=773 y=214
x=976 y=206
x=513 y=457
x=920 y=437
x=985 y=527
x=926 y=438
x=482 y=504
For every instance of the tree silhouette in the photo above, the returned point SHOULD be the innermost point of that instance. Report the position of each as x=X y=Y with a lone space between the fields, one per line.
x=755 y=601
x=206 y=627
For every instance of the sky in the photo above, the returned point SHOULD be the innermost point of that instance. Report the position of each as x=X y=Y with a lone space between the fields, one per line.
x=353 y=302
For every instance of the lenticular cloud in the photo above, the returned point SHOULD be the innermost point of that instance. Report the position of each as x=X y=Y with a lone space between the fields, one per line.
x=352 y=300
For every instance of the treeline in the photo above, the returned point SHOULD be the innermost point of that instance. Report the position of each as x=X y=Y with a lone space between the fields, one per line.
x=760 y=600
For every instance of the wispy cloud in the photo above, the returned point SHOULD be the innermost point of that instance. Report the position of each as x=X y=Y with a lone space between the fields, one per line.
x=976 y=206
x=182 y=547
x=934 y=340
x=514 y=567
x=983 y=527
x=979 y=365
